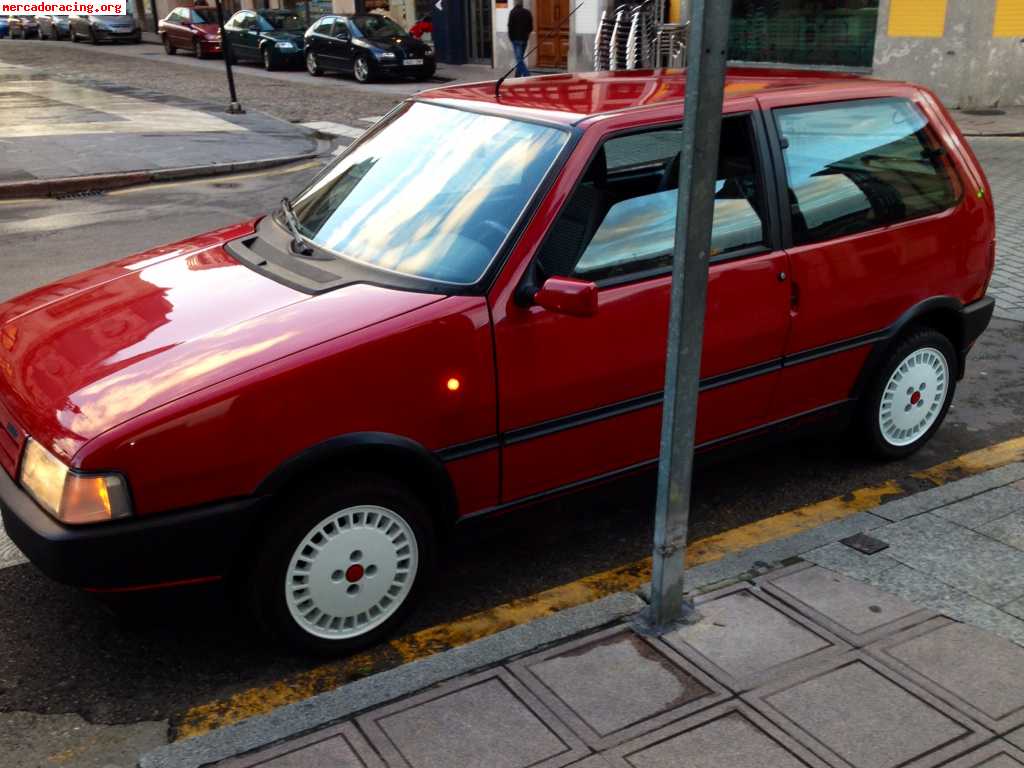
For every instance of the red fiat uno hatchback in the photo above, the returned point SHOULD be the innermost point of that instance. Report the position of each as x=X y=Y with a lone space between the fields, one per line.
x=466 y=312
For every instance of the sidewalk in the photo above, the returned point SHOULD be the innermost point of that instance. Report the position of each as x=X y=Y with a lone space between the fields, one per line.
x=55 y=130
x=806 y=653
x=1005 y=121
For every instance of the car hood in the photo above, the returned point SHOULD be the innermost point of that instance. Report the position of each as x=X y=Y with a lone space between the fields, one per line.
x=92 y=351
x=208 y=28
x=280 y=35
x=394 y=43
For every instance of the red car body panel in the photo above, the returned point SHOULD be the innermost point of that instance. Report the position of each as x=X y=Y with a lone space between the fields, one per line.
x=199 y=379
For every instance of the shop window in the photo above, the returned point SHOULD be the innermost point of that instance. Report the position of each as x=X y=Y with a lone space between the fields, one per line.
x=823 y=32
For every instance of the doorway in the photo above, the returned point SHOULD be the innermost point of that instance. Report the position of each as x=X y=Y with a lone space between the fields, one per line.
x=478 y=32
x=552 y=39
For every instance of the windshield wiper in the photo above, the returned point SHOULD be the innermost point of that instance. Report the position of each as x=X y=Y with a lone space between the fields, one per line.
x=299 y=246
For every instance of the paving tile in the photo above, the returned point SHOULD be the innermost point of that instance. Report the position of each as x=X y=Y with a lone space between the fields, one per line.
x=340 y=746
x=858 y=613
x=731 y=735
x=745 y=636
x=616 y=685
x=841 y=558
x=923 y=589
x=998 y=754
x=856 y=712
x=974 y=671
x=983 y=508
x=486 y=720
x=968 y=561
x=1015 y=609
x=594 y=761
x=1016 y=738
x=1008 y=529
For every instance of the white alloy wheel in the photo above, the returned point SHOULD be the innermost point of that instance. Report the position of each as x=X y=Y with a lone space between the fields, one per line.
x=361 y=69
x=351 y=572
x=913 y=397
x=311 y=64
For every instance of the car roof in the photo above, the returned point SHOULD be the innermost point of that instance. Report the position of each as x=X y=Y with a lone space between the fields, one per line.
x=570 y=98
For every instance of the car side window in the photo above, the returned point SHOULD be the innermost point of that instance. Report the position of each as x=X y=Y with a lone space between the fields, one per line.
x=859 y=165
x=621 y=218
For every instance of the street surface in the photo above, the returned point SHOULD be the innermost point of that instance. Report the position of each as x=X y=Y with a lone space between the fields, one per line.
x=83 y=685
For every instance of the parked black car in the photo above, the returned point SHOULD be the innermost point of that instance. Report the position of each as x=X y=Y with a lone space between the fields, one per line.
x=98 y=29
x=366 y=45
x=53 y=26
x=22 y=26
x=273 y=37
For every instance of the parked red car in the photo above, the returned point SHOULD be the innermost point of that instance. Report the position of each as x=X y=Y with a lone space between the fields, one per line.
x=466 y=313
x=191 y=28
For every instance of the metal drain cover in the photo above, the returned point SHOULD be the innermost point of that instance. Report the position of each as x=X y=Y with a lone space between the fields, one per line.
x=861 y=542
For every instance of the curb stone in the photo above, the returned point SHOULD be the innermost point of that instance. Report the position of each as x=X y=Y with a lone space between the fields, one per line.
x=108 y=181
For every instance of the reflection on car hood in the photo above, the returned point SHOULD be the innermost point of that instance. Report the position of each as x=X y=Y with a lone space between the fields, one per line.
x=92 y=351
x=405 y=44
x=282 y=35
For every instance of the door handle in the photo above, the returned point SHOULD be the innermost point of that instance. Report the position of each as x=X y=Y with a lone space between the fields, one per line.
x=782 y=277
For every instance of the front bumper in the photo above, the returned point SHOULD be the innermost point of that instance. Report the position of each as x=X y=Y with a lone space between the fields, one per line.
x=108 y=34
x=149 y=552
x=397 y=67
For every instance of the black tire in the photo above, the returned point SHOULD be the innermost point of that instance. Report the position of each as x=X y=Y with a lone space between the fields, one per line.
x=267 y=55
x=92 y=37
x=312 y=66
x=169 y=48
x=900 y=443
x=362 y=68
x=73 y=35
x=197 y=49
x=300 y=515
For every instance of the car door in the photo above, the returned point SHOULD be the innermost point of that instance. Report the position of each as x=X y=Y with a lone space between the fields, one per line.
x=580 y=397
x=318 y=39
x=249 y=37
x=181 y=37
x=233 y=34
x=870 y=192
x=341 y=45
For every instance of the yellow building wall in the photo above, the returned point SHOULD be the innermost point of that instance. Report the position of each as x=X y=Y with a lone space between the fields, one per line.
x=917 y=18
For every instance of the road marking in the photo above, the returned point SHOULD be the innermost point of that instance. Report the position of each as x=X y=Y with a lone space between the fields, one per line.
x=432 y=640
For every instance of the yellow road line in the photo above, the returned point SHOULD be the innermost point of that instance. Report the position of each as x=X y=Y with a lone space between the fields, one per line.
x=432 y=640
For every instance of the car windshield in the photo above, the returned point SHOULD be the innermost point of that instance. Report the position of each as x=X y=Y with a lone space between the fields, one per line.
x=377 y=26
x=203 y=16
x=433 y=193
x=288 y=22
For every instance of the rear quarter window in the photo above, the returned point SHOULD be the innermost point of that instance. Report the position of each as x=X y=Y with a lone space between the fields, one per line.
x=855 y=166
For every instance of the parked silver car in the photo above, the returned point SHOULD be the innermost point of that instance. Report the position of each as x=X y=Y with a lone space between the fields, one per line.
x=53 y=26
x=98 y=29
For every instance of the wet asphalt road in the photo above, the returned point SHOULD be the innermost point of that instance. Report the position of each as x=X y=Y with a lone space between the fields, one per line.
x=64 y=651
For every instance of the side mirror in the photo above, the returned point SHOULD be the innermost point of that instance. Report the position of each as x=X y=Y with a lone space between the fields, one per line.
x=568 y=296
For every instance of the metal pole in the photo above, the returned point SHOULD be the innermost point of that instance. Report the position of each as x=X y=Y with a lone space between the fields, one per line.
x=234 y=108
x=702 y=127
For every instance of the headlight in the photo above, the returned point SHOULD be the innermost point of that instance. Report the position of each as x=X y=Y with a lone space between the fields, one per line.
x=284 y=45
x=383 y=54
x=72 y=498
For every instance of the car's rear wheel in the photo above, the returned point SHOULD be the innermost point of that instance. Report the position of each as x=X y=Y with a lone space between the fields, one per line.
x=344 y=566
x=312 y=65
x=169 y=48
x=361 y=68
x=910 y=394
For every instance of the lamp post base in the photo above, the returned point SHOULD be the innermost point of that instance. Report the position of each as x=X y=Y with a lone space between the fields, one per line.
x=234 y=108
x=643 y=622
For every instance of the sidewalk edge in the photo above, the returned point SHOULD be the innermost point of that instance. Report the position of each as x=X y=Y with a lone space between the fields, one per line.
x=108 y=181
x=331 y=706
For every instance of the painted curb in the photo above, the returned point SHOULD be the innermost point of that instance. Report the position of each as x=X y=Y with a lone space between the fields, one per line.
x=107 y=181
x=332 y=706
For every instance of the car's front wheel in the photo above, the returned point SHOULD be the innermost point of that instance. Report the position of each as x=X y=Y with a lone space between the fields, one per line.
x=169 y=48
x=312 y=65
x=910 y=394
x=268 y=59
x=344 y=566
x=361 y=68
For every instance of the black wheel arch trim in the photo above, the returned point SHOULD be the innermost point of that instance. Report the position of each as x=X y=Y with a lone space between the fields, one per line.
x=427 y=466
x=947 y=314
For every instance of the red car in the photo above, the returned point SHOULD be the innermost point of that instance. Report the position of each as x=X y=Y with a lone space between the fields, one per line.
x=466 y=313
x=191 y=28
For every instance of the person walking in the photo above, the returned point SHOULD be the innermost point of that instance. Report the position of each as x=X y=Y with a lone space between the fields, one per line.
x=520 y=25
